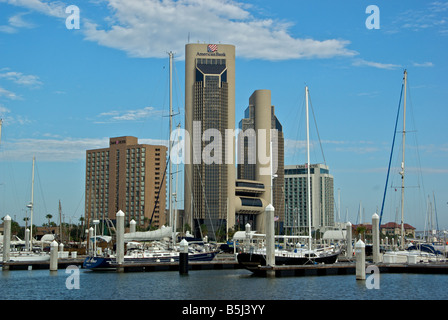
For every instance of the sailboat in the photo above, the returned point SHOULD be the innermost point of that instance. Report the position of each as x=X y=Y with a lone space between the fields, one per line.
x=29 y=255
x=407 y=251
x=254 y=257
x=159 y=250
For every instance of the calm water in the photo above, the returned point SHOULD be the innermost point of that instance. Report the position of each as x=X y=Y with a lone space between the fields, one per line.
x=214 y=285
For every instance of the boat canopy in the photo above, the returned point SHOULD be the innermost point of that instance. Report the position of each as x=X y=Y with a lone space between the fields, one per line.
x=335 y=235
x=159 y=234
x=241 y=235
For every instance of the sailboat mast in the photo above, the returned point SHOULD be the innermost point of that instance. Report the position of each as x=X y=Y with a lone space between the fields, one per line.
x=31 y=205
x=170 y=209
x=402 y=163
x=308 y=167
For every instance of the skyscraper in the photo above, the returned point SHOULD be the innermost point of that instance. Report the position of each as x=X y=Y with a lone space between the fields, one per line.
x=209 y=116
x=322 y=198
x=260 y=119
x=126 y=176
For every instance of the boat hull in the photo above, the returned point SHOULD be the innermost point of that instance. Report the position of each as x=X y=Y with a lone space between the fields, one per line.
x=252 y=261
x=108 y=263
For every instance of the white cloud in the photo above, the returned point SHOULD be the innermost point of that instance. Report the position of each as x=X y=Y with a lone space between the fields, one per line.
x=379 y=65
x=50 y=8
x=128 y=115
x=8 y=94
x=52 y=150
x=149 y=28
x=20 y=78
x=424 y=64
x=18 y=22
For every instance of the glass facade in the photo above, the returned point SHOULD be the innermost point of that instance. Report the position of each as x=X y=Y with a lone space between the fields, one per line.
x=210 y=106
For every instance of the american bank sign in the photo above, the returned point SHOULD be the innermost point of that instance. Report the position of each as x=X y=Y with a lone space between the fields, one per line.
x=212 y=51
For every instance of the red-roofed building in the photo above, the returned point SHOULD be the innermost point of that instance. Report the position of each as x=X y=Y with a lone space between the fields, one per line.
x=389 y=229
x=393 y=228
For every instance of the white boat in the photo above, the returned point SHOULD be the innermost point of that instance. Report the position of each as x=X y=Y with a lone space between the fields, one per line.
x=27 y=256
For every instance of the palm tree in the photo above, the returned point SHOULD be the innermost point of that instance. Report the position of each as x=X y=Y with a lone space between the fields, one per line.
x=49 y=216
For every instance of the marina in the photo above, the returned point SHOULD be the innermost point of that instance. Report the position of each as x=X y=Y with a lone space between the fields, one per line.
x=228 y=262
x=231 y=210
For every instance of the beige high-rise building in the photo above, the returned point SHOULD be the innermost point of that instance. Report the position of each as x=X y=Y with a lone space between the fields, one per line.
x=127 y=176
x=254 y=156
x=210 y=104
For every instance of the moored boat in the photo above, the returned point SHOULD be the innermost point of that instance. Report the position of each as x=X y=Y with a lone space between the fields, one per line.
x=160 y=256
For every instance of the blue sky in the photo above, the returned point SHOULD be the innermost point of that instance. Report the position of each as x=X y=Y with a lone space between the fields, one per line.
x=64 y=91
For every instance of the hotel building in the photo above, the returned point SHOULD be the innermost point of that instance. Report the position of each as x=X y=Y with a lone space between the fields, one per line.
x=322 y=198
x=127 y=176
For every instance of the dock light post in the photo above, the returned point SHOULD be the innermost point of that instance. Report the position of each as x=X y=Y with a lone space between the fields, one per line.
x=183 y=257
x=376 y=238
x=54 y=256
x=95 y=223
x=270 y=239
x=91 y=251
x=120 y=239
x=6 y=239
x=349 y=250
x=360 y=252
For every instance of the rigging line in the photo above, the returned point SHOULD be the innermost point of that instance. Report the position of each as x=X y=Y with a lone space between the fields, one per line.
x=435 y=211
x=420 y=175
x=176 y=77
x=317 y=130
x=391 y=153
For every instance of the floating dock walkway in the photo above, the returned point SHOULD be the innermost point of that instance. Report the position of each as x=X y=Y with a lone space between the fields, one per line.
x=339 y=268
x=349 y=268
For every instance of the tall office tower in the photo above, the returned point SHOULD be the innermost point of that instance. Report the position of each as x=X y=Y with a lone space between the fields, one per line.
x=254 y=159
x=129 y=177
x=322 y=198
x=209 y=164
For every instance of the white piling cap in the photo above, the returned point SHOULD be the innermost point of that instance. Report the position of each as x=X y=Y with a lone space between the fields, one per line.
x=360 y=244
x=133 y=222
x=54 y=244
x=120 y=214
x=349 y=224
x=183 y=246
x=7 y=217
x=375 y=216
x=269 y=207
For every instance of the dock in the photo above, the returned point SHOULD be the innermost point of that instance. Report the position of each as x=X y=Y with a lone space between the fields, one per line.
x=219 y=263
x=42 y=265
x=227 y=262
x=349 y=268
